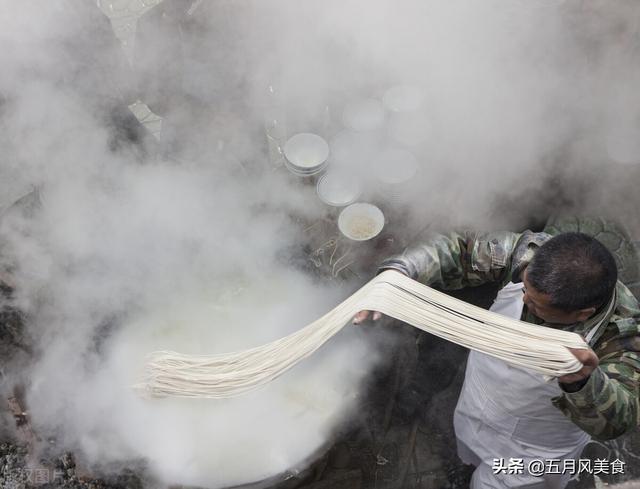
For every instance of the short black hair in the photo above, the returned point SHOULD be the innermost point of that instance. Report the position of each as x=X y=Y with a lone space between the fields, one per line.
x=576 y=270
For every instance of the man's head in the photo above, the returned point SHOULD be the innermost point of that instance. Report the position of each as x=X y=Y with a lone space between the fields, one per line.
x=569 y=278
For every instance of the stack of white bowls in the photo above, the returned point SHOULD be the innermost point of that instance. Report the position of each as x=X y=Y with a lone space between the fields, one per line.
x=306 y=154
x=338 y=188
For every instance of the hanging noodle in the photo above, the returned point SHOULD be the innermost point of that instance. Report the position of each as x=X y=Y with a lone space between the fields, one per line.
x=538 y=348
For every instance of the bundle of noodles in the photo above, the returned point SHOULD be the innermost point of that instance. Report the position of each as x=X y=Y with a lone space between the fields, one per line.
x=530 y=346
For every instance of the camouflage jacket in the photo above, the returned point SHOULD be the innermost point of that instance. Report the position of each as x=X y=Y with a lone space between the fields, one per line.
x=607 y=405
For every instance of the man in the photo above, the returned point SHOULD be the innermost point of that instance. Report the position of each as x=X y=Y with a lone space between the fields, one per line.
x=569 y=282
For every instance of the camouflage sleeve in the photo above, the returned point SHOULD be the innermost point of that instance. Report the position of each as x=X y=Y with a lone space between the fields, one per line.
x=607 y=406
x=457 y=260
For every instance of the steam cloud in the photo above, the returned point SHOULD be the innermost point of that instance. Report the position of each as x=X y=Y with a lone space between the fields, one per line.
x=181 y=248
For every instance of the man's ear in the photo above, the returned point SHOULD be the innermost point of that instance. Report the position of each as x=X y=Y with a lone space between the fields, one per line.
x=584 y=314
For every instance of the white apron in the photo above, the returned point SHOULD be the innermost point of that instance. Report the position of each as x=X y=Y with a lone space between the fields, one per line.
x=506 y=412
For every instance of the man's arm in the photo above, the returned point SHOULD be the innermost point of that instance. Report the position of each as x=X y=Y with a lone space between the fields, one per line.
x=457 y=260
x=607 y=406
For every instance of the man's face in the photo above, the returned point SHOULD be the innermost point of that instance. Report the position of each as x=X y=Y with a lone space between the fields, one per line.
x=539 y=305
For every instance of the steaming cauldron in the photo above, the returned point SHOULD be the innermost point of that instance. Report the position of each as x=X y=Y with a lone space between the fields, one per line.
x=293 y=477
x=344 y=460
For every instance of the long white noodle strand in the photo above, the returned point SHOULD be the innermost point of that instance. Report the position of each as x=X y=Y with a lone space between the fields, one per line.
x=521 y=344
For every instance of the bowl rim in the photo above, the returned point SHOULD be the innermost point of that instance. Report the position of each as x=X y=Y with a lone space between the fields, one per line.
x=373 y=210
x=323 y=147
x=356 y=193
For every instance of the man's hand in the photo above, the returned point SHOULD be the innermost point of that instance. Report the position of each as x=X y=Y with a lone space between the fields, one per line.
x=589 y=361
x=364 y=315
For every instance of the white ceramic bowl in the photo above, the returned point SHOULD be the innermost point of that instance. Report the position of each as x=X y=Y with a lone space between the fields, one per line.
x=338 y=189
x=306 y=152
x=305 y=173
x=361 y=221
